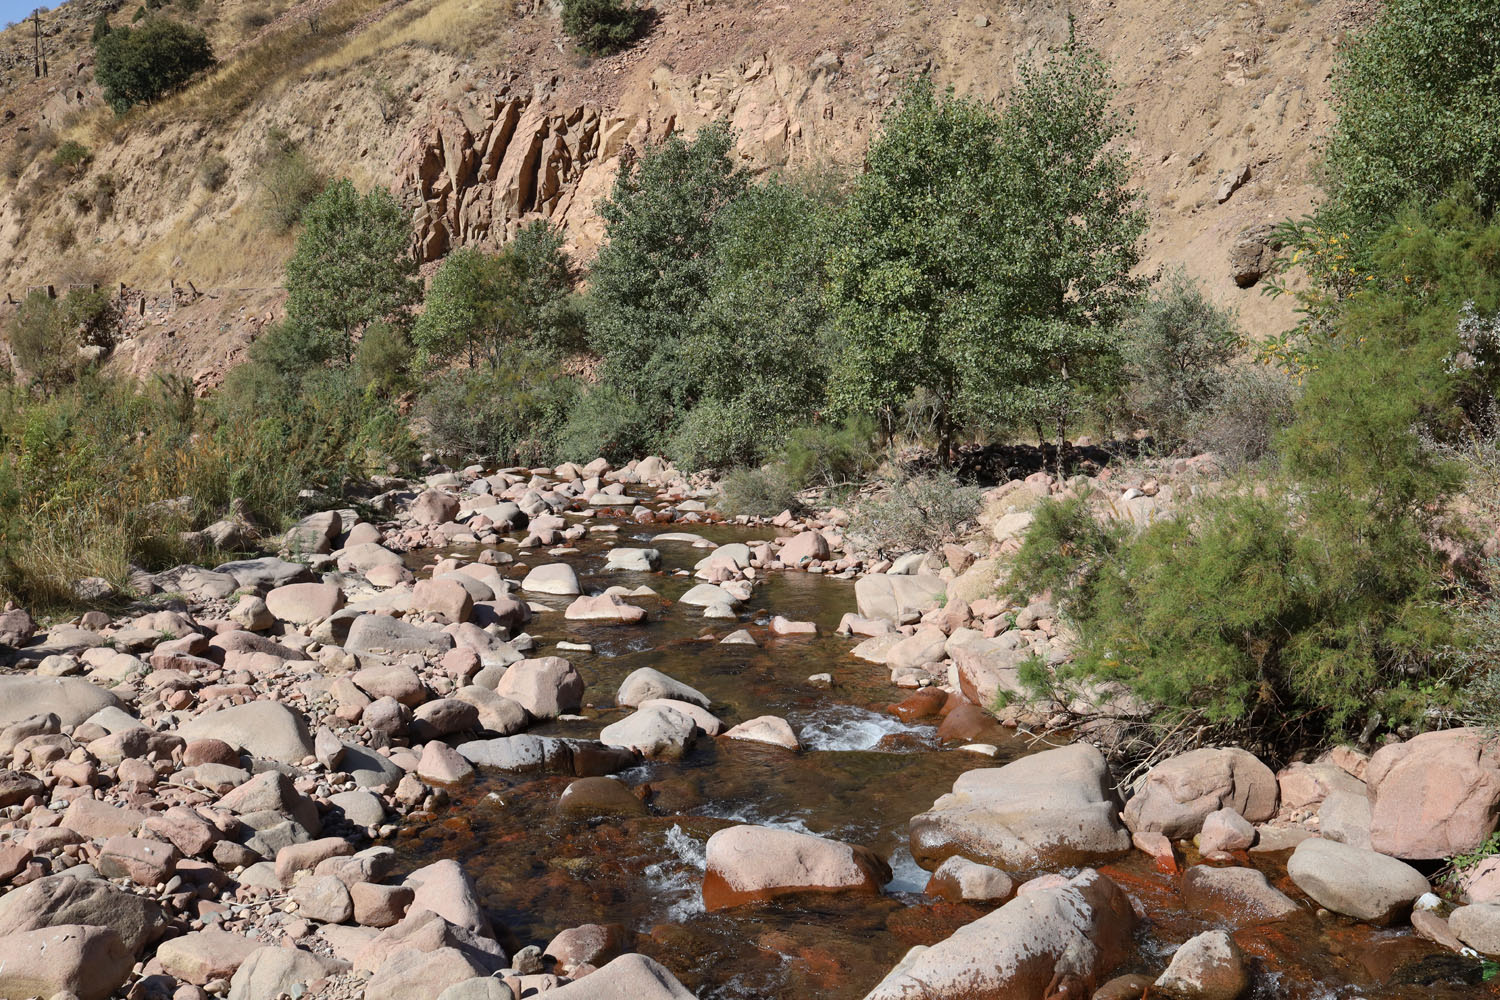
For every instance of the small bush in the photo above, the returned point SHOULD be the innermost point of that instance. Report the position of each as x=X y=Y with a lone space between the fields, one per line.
x=916 y=513
x=72 y=156
x=105 y=187
x=383 y=360
x=1177 y=347
x=1256 y=402
x=213 y=172
x=719 y=434
x=831 y=455
x=511 y=413
x=288 y=182
x=1276 y=621
x=139 y=65
x=758 y=492
x=602 y=26
x=607 y=422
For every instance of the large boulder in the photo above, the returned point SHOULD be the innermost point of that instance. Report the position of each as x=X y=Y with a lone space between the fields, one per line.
x=410 y=974
x=604 y=608
x=1050 y=809
x=1178 y=794
x=1209 y=966
x=384 y=636
x=648 y=683
x=1070 y=934
x=265 y=573
x=804 y=548
x=444 y=888
x=1478 y=926
x=87 y=962
x=633 y=560
x=66 y=899
x=751 y=864
x=71 y=699
x=1434 y=796
x=988 y=667
x=265 y=729
x=1357 y=883
x=546 y=687
x=273 y=972
x=205 y=955
x=898 y=599
x=434 y=507
x=629 y=977
x=1240 y=894
x=305 y=603
x=656 y=731
x=557 y=579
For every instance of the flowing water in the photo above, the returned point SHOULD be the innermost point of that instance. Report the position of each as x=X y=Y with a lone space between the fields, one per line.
x=862 y=775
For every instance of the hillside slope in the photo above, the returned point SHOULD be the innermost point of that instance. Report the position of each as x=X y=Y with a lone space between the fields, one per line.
x=481 y=115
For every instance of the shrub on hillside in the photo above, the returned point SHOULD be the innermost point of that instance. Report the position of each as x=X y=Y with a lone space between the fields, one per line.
x=1177 y=347
x=138 y=65
x=917 y=512
x=72 y=156
x=46 y=334
x=602 y=26
x=288 y=181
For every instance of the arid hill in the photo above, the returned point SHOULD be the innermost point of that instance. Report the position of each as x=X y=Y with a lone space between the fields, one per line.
x=481 y=115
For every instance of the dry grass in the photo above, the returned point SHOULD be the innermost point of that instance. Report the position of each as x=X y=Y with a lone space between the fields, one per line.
x=455 y=26
x=263 y=68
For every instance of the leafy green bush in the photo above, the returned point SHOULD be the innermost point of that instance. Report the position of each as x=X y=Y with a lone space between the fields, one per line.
x=352 y=266
x=602 y=26
x=383 y=360
x=138 y=65
x=72 y=155
x=763 y=492
x=46 y=333
x=717 y=435
x=511 y=413
x=607 y=421
x=915 y=513
x=1250 y=617
x=1307 y=607
x=831 y=455
x=1177 y=347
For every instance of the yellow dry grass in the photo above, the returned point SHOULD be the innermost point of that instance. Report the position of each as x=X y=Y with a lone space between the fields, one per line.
x=445 y=25
x=264 y=67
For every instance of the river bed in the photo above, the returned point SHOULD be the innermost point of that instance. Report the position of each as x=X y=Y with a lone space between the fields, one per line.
x=862 y=775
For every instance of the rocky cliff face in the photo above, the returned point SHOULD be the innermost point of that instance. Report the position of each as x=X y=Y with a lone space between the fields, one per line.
x=479 y=125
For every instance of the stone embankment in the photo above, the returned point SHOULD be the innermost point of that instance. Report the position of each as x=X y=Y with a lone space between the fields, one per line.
x=195 y=800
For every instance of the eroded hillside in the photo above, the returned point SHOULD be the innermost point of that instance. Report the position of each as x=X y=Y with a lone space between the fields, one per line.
x=481 y=115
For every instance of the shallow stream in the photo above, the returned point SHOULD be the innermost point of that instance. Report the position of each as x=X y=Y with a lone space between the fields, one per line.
x=862 y=775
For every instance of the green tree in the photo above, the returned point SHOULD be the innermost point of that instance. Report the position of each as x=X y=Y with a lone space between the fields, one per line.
x=136 y=65
x=1417 y=96
x=352 y=266
x=657 y=266
x=602 y=26
x=917 y=275
x=1076 y=226
x=756 y=354
x=488 y=305
x=454 y=316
